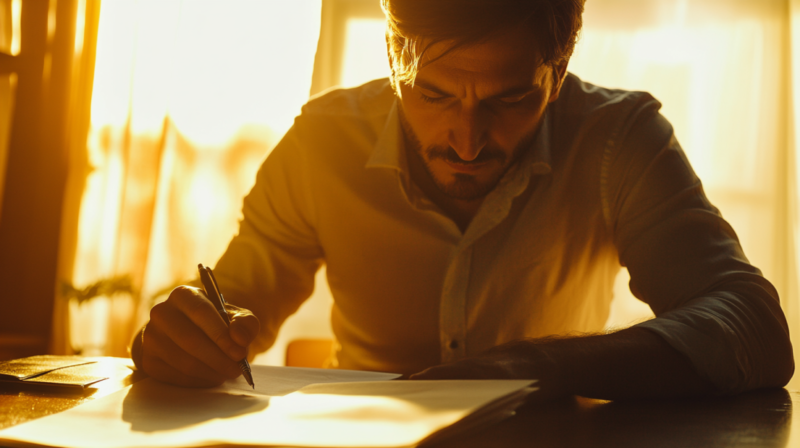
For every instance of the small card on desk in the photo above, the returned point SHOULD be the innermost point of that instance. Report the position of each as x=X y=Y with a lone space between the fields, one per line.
x=48 y=370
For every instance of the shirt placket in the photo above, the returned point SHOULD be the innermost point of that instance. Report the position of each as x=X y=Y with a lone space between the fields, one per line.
x=453 y=308
x=453 y=312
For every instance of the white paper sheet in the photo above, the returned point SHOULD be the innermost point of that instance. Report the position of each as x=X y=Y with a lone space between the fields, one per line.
x=374 y=414
x=276 y=381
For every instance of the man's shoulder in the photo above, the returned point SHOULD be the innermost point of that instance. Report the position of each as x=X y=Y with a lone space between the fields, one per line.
x=593 y=127
x=338 y=129
x=581 y=99
x=366 y=101
x=587 y=117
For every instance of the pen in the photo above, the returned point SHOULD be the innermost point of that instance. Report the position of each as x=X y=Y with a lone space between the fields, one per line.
x=215 y=296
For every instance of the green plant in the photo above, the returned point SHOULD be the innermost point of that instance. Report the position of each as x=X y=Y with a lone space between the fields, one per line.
x=103 y=287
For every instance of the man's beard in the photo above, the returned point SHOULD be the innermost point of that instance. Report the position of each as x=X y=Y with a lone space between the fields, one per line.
x=464 y=187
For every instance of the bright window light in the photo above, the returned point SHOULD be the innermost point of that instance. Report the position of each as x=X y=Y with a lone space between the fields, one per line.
x=365 y=55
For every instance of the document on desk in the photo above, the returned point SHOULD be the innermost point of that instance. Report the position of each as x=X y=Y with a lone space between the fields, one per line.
x=290 y=407
x=72 y=372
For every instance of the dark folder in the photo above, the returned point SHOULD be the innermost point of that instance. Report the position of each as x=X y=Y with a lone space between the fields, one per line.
x=73 y=372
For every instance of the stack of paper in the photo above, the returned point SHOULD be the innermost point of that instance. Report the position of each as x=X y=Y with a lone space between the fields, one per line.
x=47 y=370
x=290 y=407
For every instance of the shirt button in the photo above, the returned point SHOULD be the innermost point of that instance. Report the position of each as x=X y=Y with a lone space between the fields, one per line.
x=453 y=344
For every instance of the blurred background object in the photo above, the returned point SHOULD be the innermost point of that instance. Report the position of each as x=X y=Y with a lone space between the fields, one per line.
x=160 y=111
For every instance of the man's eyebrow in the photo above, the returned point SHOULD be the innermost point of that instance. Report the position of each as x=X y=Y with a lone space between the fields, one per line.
x=510 y=92
x=428 y=86
x=516 y=91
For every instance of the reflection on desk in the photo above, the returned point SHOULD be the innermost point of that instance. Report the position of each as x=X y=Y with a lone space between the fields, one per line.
x=756 y=419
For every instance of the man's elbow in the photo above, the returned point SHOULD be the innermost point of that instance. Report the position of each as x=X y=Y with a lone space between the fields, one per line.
x=780 y=366
x=772 y=366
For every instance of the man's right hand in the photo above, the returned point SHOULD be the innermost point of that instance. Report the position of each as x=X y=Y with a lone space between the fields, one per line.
x=187 y=343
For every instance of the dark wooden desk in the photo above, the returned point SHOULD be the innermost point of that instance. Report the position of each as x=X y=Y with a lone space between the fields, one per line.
x=758 y=419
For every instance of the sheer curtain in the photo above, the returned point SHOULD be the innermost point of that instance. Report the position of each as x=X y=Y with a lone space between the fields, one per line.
x=189 y=97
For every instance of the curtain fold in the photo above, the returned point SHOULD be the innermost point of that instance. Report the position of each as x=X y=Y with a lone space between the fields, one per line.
x=88 y=18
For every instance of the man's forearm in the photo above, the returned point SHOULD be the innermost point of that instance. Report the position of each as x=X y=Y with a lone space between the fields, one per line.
x=632 y=363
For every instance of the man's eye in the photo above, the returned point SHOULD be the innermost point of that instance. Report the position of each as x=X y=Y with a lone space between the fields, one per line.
x=431 y=99
x=512 y=99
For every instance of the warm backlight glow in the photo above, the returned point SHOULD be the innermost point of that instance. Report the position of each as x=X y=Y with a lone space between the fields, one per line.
x=8 y=85
x=188 y=98
x=211 y=66
x=10 y=13
x=80 y=27
x=364 y=52
x=16 y=13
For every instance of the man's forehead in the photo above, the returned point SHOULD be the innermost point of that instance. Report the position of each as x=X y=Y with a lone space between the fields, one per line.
x=505 y=60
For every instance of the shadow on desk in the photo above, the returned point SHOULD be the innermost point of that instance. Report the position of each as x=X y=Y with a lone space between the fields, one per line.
x=153 y=406
x=757 y=419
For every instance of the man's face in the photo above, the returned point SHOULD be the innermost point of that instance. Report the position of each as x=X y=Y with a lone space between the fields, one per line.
x=473 y=111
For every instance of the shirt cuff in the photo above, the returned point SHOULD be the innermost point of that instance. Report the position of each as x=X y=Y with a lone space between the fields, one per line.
x=708 y=341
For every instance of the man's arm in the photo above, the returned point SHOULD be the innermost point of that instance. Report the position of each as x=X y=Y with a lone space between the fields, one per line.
x=711 y=304
x=631 y=363
x=718 y=327
x=265 y=274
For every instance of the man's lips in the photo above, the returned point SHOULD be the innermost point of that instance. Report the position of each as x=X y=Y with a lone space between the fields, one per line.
x=467 y=168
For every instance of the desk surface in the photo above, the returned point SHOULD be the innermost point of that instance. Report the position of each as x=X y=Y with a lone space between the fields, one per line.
x=758 y=419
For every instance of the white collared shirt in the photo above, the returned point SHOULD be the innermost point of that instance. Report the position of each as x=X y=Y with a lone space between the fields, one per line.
x=605 y=183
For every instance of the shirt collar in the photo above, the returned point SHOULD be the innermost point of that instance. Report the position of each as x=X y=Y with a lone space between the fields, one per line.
x=389 y=150
x=540 y=157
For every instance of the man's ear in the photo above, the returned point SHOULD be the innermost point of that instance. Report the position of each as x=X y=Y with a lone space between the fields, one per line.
x=559 y=72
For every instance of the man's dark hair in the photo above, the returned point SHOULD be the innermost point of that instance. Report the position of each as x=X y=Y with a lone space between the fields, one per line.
x=412 y=26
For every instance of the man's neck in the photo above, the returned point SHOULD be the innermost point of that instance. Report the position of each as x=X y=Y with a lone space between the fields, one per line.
x=461 y=212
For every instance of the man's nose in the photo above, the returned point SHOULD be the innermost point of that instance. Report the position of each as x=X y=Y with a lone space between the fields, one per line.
x=468 y=135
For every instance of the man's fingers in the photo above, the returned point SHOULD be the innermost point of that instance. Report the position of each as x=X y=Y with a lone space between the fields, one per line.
x=203 y=314
x=444 y=372
x=185 y=334
x=244 y=325
x=466 y=369
x=161 y=346
x=188 y=343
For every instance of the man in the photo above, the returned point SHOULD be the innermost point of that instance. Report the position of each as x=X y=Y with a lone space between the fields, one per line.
x=473 y=212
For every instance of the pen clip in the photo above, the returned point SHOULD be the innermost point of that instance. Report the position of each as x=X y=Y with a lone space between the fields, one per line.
x=216 y=286
x=212 y=291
